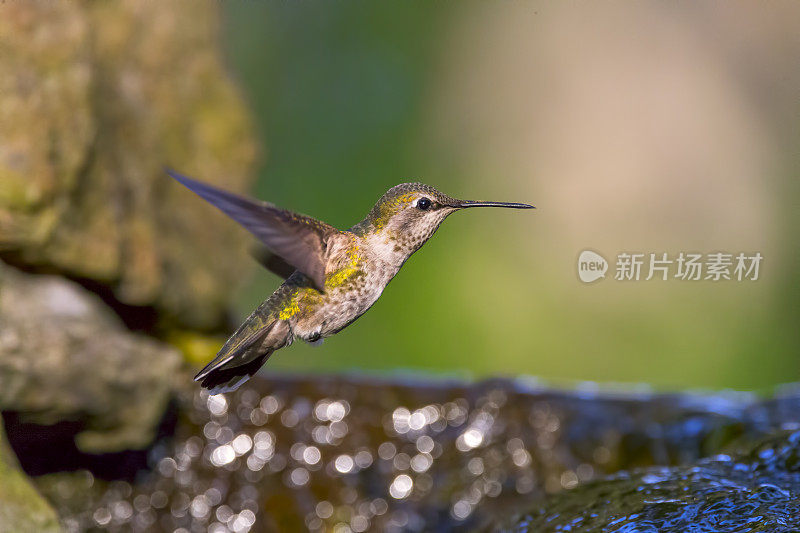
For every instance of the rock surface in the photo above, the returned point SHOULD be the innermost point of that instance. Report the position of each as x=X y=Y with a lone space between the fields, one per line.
x=95 y=99
x=64 y=356
x=22 y=509
x=324 y=453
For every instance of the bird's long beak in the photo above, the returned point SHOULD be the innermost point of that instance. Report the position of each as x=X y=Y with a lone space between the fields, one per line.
x=463 y=204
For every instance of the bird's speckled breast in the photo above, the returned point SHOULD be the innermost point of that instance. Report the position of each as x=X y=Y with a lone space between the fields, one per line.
x=354 y=279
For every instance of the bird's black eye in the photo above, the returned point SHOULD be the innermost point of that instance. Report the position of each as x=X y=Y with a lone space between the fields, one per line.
x=424 y=204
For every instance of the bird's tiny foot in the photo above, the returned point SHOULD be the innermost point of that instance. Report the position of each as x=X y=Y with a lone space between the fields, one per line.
x=315 y=339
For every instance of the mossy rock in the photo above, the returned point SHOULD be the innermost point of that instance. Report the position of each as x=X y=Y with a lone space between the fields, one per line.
x=65 y=356
x=96 y=99
x=22 y=509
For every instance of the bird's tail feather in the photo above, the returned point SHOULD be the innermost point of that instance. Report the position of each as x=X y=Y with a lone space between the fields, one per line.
x=229 y=379
x=238 y=361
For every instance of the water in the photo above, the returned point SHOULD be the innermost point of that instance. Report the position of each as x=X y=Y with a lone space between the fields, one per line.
x=755 y=491
x=344 y=454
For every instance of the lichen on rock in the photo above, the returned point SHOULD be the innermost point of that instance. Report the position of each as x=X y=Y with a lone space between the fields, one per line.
x=96 y=98
x=65 y=356
x=22 y=509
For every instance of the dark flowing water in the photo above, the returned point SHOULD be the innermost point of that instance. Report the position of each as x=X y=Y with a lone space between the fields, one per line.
x=754 y=491
x=340 y=454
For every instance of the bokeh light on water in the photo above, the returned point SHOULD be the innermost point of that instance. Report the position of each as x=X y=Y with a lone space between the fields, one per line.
x=354 y=455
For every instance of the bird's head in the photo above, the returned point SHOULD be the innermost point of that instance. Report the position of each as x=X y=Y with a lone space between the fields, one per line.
x=410 y=213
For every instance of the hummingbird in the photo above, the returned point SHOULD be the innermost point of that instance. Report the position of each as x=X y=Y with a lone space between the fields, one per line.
x=331 y=276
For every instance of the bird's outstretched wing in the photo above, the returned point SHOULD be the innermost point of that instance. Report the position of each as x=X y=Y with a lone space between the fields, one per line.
x=299 y=240
x=272 y=262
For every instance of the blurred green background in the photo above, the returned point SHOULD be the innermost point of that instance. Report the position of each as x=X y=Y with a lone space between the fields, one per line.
x=644 y=127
